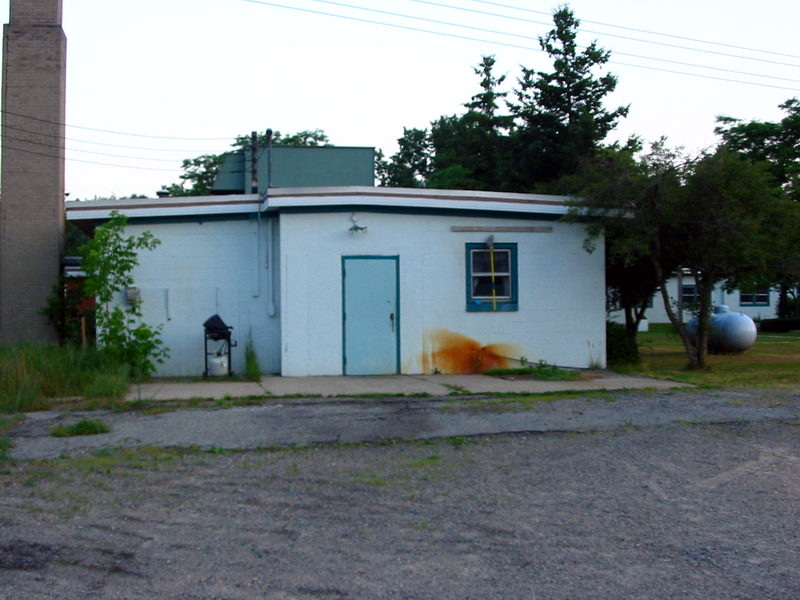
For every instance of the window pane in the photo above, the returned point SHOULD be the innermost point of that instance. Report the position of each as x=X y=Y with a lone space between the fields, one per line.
x=754 y=297
x=501 y=261
x=482 y=261
x=689 y=293
x=482 y=287
x=502 y=286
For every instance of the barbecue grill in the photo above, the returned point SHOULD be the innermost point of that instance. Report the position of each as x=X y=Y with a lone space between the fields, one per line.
x=216 y=330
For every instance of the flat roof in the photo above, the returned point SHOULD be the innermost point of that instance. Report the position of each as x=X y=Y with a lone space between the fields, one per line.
x=320 y=198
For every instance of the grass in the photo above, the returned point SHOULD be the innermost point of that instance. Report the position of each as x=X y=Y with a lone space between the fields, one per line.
x=773 y=361
x=82 y=427
x=32 y=375
x=540 y=370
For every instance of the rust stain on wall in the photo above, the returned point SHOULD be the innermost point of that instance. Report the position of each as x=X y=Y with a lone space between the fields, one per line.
x=450 y=352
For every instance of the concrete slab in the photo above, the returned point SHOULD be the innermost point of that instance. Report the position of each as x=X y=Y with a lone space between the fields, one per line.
x=484 y=384
x=403 y=385
x=376 y=385
x=195 y=389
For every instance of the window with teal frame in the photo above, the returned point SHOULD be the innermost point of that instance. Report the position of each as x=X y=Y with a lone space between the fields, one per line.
x=492 y=277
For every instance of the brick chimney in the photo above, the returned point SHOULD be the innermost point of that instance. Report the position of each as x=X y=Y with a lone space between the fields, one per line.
x=32 y=178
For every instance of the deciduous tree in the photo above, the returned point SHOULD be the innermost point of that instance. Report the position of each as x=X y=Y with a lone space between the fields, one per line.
x=778 y=144
x=713 y=215
x=108 y=260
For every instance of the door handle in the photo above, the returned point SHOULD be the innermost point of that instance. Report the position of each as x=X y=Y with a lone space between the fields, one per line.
x=391 y=318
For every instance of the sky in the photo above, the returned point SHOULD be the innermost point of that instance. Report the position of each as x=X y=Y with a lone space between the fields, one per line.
x=152 y=82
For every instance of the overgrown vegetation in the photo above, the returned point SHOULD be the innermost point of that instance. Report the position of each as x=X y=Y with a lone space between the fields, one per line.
x=108 y=260
x=82 y=427
x=252 y=369
x=31 y=374
x=622 y=347
x=780 y=325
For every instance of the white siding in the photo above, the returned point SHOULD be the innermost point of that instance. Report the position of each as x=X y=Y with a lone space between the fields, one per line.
x=561 y=316
x=203 y=268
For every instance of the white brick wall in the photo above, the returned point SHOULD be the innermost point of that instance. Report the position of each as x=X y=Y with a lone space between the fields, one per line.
x=203 y=268
x=561 y=317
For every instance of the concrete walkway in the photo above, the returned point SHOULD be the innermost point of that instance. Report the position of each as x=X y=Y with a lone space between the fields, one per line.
x=399 y=385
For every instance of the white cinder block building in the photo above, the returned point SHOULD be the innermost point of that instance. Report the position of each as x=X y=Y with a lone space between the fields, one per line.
x=361 y=280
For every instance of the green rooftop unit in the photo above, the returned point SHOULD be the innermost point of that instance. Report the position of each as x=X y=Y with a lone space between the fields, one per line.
x=297 y=166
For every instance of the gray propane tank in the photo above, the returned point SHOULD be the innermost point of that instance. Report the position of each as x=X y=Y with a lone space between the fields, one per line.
x=729 y=332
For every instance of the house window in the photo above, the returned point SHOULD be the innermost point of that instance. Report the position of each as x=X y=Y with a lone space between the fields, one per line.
x=492 y=277
x=689 y=295
x=756 y=297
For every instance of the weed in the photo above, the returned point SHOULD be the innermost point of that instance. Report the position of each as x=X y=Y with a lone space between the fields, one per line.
x=82 y=427
x=423 y=462
x=31 y=376
x=6 y=423
x=540 y=370
x=629 y=425
x=108 y=385
x=5 y=448
x=370 y=478
x=456 y=390
x=252 y=369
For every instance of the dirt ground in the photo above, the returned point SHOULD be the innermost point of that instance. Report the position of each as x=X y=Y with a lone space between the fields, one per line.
x=682 y=511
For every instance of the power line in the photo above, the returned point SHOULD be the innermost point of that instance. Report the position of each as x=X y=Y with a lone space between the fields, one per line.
x=384 y=24
x=700 y=76
x=80 y=141
x=55 y=146
x=91 y=162
x=647 y=31
x=142 y=135
x=509 y=45
x=528 y=37
x=496 y=15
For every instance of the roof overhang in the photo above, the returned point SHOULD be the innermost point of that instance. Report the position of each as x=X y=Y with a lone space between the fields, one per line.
x=322 y=198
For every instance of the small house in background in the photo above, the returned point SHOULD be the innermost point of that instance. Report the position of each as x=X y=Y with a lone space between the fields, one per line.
x=757 y=303
x=348 y=279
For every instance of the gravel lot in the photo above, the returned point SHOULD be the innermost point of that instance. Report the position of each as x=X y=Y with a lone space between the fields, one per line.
x=669 y=511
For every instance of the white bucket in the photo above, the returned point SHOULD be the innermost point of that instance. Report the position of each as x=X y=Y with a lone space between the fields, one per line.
x=217 y=365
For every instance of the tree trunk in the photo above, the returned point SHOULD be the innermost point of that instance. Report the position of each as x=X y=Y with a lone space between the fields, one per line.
x=705 y=285
x=677 y=323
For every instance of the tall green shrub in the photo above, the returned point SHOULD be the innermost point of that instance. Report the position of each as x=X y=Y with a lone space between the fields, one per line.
x=108 y=260
x=621 y=345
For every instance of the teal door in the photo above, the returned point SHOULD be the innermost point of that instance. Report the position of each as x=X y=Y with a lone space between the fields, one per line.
x=371 y=328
